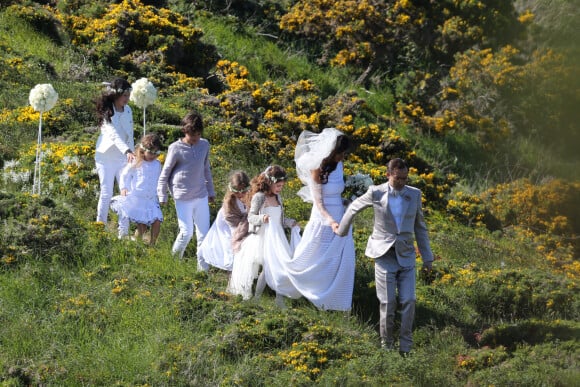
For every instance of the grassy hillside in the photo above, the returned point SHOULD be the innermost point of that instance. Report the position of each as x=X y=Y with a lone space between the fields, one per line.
x=79 y=307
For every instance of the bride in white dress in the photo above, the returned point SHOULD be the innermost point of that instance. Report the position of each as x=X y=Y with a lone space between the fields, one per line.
x=266 y=245
x=323 y=266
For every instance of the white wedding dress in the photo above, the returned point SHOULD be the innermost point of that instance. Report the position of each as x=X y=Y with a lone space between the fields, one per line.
x=270 y=249
x=323 y=266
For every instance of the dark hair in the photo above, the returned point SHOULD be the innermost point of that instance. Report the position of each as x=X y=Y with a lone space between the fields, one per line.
x=329 y=163
x=105 y=103
x=263 y=181
x=396 y=164
x=238 y=181
x=192 y=123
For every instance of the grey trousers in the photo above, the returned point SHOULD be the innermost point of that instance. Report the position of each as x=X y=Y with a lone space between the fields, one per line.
x=392 y=279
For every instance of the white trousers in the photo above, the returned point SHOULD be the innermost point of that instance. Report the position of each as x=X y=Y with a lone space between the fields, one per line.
x=108 y=171
x=190 y=214
x=124 y=224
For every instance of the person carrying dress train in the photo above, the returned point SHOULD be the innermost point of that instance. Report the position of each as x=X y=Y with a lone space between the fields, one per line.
x=266 y=245
x=230 y=226
x=323 y=265
x=138 y=200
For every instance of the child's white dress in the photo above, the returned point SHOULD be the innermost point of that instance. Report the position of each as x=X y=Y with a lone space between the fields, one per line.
x=141 y=204
x=216 y=248
x=269 y=248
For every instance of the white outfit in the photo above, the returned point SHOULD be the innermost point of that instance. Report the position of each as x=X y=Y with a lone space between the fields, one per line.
x=192 y=216
x=324 y=263
x=323 y=267
x=110 y=156
x=216 y=248
x=141 y=204
x=269 y=248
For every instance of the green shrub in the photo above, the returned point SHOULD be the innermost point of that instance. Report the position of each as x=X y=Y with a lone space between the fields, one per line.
x=38 y=229
x=531 y=332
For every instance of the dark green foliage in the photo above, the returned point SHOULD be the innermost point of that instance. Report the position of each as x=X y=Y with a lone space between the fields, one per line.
x=38 y=229
x=41 y=19
x=531 y=332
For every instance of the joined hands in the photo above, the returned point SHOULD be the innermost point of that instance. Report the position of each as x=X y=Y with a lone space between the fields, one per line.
x=335 y=226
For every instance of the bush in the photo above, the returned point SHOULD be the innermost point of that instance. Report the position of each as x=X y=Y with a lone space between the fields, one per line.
x=38 y=229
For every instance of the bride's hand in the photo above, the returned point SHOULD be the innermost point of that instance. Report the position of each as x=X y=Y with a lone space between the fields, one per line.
x=335 y=226
x=266 y=218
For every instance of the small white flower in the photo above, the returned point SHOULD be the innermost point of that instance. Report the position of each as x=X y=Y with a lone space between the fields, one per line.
x=43 y=97
x=11 y=164
x=71 y=160
x=18 y=177
x=143 y=93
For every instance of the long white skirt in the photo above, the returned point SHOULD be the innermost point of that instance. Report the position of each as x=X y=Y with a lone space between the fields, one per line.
x=216 y=248
x=323 y=267
x=269 y=248
x=137 y=209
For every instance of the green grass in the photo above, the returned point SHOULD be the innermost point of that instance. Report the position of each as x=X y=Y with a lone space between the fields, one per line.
x=27 y=43
x=265 y=60
x=89 y=309
x=63 y=322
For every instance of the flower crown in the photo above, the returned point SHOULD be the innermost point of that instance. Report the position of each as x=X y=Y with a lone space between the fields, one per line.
x=273 y=179
x=245 y=189
x=119 y=90
x=155 y=152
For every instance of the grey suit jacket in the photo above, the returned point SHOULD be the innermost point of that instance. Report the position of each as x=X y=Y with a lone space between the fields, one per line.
x=385 y=232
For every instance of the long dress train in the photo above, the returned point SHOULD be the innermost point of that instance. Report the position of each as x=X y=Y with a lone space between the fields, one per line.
x=268 y=248
x=216 y=248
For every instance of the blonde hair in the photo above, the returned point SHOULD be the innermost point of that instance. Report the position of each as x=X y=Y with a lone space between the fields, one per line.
x=149 y=143
x=237 y=182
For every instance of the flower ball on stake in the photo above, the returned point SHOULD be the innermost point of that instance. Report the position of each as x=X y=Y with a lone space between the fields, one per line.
x=42 y=98
x=143 y=94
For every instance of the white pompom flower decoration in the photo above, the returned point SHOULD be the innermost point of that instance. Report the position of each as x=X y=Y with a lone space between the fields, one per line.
x=143 y=94
x=42 y=98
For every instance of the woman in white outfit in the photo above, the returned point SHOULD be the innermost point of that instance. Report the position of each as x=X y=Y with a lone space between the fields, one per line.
x=323 y=266
x=115 y=144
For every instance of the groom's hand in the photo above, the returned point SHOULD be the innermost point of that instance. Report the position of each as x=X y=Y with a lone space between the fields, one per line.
x=427 y=274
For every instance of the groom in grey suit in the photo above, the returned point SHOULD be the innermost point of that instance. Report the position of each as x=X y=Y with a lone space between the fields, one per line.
x=398 y=221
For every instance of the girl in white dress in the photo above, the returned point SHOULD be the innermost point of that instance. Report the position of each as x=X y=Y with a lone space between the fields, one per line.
x=266 y=245
x=230 y=226
x=324 y=264
x=138 y=200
